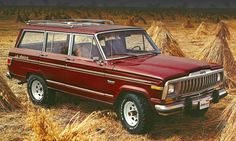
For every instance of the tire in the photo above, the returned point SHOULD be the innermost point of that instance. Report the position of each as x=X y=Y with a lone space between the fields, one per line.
x=140 y=119
x=38 y=91
x=198 y=112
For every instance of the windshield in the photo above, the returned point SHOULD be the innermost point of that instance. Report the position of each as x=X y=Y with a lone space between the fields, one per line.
x=126 y=43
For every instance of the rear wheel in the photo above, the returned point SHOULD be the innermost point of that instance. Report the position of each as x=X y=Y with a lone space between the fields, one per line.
x=38 y=91
x=135 y=113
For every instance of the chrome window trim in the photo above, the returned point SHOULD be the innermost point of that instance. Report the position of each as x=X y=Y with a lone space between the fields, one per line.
x=46 y=39
x=30 y=30
x=188 y=78
x=90 y=35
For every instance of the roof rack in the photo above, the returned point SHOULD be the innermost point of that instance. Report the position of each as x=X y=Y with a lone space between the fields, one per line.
x=69 y=22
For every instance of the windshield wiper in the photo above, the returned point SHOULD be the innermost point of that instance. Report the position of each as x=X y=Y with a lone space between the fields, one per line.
x=155 y=52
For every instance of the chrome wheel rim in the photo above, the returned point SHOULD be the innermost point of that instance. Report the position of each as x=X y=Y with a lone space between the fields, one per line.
x=131 y=114
x=37 y=90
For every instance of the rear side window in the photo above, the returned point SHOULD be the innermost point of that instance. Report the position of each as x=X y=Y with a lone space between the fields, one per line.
x=58 y=43
x=32 y=40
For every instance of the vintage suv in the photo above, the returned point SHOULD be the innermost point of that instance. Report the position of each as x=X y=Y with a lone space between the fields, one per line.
x=113 y=64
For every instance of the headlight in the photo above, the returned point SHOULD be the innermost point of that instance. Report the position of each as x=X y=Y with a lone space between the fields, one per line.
x=171 y=89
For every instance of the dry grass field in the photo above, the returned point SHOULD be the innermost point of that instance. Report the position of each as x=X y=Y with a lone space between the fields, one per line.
x=19 y=125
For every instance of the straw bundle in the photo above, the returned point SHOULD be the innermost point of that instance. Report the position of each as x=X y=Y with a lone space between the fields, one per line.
x=94 y=127
x=8 y=101
x=130 y=21
x=222 y=30
x=187 y=24
x=218 y=51
x=201 y=30
x=164 y=40
x=229 y=122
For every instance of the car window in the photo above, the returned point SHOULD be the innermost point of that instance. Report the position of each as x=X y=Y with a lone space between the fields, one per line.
x=58 y=43
x=138 y=42
x=85 y=47
x=126 y=43
x=35 y=43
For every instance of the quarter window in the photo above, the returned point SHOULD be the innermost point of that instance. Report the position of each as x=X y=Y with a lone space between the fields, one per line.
x=58 y=43
x=32 y=40
x=85 y=47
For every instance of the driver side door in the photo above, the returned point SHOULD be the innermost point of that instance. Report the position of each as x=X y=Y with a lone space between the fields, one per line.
x=85 y=75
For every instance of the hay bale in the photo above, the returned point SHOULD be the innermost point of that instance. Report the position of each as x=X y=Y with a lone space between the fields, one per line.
x=187 y=24
x=202 y=30
x=164 y=40
x=218 y=51
x=135 y=20
x=228 y=123
x=8 y=101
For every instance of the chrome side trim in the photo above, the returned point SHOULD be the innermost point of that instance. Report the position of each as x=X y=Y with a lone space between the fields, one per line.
x=82 y=96
x=79 y=88
x=136 y=73
x=135 y=80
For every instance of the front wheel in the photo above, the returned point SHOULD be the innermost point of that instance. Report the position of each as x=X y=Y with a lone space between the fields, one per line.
x=135 y=113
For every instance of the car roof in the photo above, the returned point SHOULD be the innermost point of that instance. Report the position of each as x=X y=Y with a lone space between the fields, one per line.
x=85 y=29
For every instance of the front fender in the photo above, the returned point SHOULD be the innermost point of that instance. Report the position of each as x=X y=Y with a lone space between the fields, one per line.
x=129 y=88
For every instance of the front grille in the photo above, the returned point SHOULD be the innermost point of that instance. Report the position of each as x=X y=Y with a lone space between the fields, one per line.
x=198 y=83
x=195 y=83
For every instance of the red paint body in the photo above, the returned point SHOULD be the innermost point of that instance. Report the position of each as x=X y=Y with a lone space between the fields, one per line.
x=129 y=74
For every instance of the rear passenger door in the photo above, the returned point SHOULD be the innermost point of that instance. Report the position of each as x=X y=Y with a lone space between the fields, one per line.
x=85 y=75
x=53 y=58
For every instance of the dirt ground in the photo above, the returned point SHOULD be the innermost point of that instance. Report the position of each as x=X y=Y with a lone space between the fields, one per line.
x=13 y=125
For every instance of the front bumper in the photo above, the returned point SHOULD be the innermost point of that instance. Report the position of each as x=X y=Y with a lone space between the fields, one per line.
x=190 y=103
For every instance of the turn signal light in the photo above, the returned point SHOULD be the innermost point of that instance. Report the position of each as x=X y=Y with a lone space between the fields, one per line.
x=170 y=100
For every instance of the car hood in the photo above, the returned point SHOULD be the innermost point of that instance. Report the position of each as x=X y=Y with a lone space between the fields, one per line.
x=160 y=66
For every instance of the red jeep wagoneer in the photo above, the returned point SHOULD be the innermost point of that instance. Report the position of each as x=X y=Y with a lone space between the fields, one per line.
x=113 y=64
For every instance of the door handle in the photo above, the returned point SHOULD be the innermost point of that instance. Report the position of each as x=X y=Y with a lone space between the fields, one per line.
x=43 y=55
x=69 y=59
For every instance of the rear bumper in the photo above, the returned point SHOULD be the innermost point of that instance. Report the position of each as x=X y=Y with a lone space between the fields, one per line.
x=8 y=75
x=184 y=105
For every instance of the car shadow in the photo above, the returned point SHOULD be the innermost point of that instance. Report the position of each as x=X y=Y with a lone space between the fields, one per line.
x=176 y=127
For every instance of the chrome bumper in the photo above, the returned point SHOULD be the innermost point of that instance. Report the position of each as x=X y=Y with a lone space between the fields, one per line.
x=181 y=106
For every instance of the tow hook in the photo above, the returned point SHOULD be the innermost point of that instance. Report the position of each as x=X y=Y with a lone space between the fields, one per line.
x=215 y=96
x=188 y=105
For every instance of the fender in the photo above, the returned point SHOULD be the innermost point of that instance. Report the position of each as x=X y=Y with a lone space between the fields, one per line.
x=130 y=88
x=34 y=71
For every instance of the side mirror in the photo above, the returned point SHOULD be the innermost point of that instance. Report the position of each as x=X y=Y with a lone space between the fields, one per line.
x=98 y=60
x=95 y=59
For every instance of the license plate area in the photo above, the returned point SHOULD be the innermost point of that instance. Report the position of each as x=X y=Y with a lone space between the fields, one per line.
x=204 y=103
